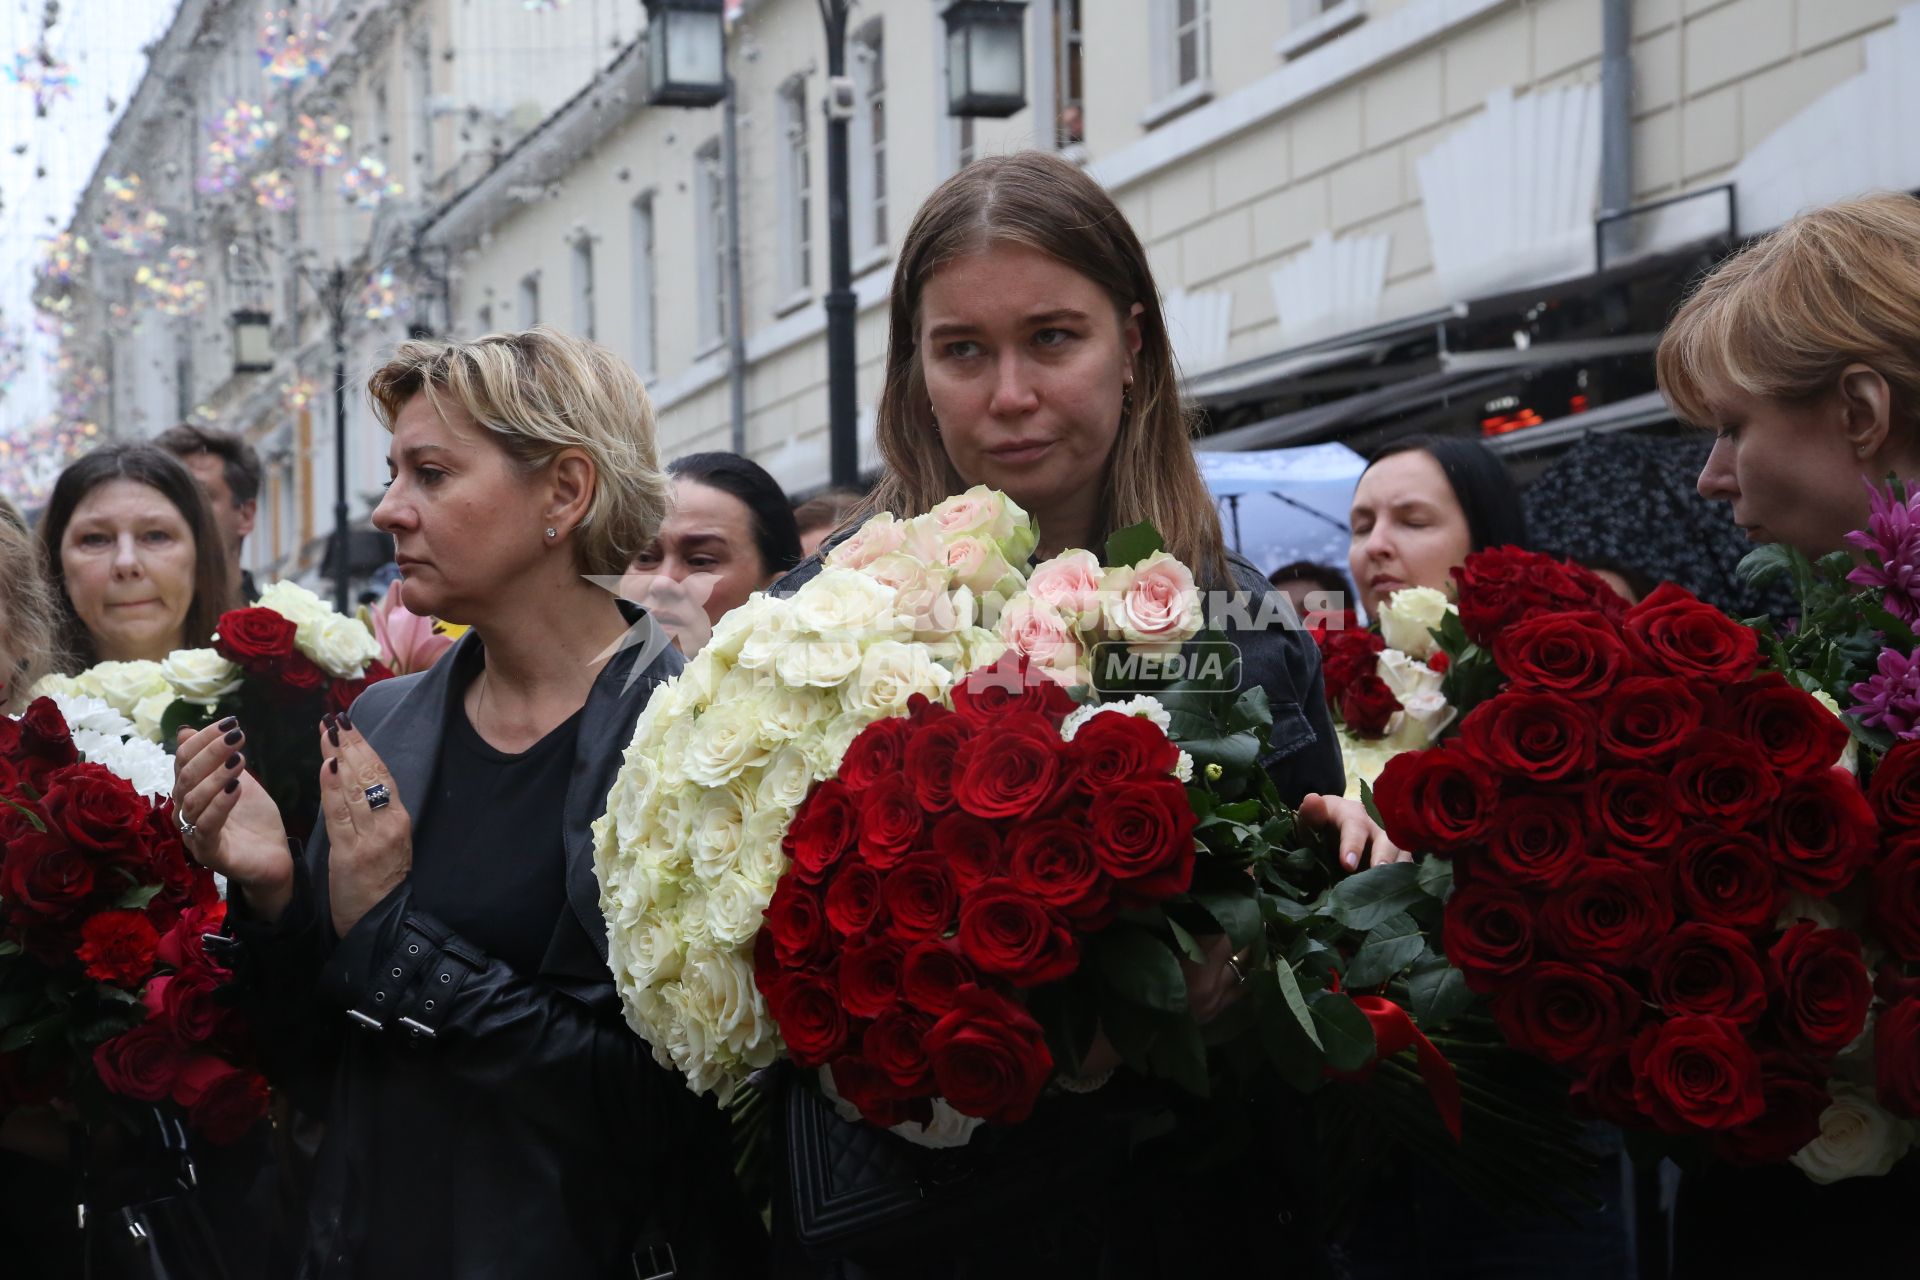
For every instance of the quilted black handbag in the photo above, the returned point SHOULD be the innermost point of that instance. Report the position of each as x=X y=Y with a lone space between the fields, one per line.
x=143 y=1220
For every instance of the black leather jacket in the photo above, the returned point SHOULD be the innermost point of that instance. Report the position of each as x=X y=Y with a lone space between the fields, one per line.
x=556 y=1141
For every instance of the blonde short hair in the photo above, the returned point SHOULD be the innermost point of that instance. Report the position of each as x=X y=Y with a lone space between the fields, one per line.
x=1783 y=317
x=27 y=611
x=540 y=393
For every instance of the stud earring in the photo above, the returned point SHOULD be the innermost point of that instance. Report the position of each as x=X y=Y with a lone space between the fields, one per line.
x=552 y=532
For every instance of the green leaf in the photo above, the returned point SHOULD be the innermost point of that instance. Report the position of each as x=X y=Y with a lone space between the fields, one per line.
x=1376 y=962
x=19 y=1037
x=1235 y=753
x=137 y=899
x=1438 y=992
x=1251 y=710
x=1344 y=1030
x=1189 y=947
x=1237 y=914
x=1368 y=897
x=1366 y=801
x=1133 y=544
x=1763 y=565
x=1139 y=968
x=1398 y=925
x=1435 y=878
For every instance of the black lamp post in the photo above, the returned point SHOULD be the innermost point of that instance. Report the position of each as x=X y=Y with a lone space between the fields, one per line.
x=843 y=445
x=986 y=57
x=686 y=52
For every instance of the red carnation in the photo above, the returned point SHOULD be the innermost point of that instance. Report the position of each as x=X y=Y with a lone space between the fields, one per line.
x=989 y=1057
x=1678 y=635
x=118 y=947
x=1823 y=988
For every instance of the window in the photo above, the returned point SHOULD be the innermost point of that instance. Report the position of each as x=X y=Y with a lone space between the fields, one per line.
x=870 y=140
x=1317 y=21
x=583 y=285
x=1189 y=42
x=710 y=238
x=528 y=311
x=1182 y=57
x=796 y=191
x=1069 y=77
x=642 y=231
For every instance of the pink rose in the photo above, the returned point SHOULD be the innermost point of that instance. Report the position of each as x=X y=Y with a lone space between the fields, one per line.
x=1038 y=631
x=1070 y=583
x=921 y=594
x=1154 y=604
x=987 y=514
x=879 y=536
x=977 y=564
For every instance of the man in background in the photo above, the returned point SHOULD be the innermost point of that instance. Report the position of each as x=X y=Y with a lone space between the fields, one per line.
x=229 y=470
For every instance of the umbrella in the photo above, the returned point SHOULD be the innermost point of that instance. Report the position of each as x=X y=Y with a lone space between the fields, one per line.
x=1628 y=500
x=1281 y=505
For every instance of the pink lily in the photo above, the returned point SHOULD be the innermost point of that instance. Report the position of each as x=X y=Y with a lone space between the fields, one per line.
x=408 y=642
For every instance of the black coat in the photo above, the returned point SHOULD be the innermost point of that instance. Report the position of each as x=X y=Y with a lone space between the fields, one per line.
x=556 y=1141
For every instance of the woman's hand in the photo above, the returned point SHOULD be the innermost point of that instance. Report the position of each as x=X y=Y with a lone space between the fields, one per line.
x=1213 y=986
x=369 y=833
x=236 y=827
x=1358 y=832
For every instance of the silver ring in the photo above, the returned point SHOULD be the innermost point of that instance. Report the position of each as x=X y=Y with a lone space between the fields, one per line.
x=378 y=797
x=187 y=830
x=1233 y=963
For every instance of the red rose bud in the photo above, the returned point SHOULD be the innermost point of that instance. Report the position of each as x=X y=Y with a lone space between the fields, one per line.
x=812 y=1020
x=118 y=947
x=1012 y=771
x=1823 y=988
x=259 y=640
x=1723 y=779
x=1823 y=832
x=1791 y=1106
x=1112 y=748
x=223 y=1102
x=1678 y=635
x=1502 y=586
x=96 y=810
x=1575 y=655
x=1439 y=661
x=1143 y=839
x=43 y=879
x=1436 y=801
x=1726 y=878
x=876 y=752
x=142 y=1063
x=797 y=919
x=1538 y=840
x=932 y=975
x=1896 y=1058
x=870 y=976
x=1895 y=793
x=1571 y=1014
x=892 y=823
x=299 y=676
x=853 y=899
x=970 y=848
x=1606 y=915
x=989 y=1057
x=44 y=735
x=1707 y=970
x=184 y=1003
x=1368 y=706
x=989 y=694
x=1896 y=899
x=1697 y=1073
x=896 y=1044
x=1345 y=656
x=1791 y=730
x=921 y=899
x=931 y=755
x=1489 y=933
x=824 y=830
x=1632 y=812
x=1646 y=718
x=1055 y=862
x=1005 y=933
x=1537 y=736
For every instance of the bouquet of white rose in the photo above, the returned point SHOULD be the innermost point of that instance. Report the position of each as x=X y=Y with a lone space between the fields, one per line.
x=1384 y=684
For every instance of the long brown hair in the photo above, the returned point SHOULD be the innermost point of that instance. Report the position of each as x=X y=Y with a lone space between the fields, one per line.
x=26 y=610
x=213 y=586
x=1038 y=200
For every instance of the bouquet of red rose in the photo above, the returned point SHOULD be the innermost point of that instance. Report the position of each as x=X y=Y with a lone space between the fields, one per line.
x=107 y=994
x=1655 y=857
x=278 y=666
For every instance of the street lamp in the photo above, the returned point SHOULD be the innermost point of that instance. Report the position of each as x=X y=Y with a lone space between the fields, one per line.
x=252 y=341
x=986 y=57
x=686 y=52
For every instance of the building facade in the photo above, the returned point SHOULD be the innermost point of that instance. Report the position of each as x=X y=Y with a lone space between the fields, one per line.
x=1446 y=202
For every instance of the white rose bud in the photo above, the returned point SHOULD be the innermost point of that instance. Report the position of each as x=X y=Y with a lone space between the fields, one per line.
x=124 y=684
x=1409 y=617
x=200 y=675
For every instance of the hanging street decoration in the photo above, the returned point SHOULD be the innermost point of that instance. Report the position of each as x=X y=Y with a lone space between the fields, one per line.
x=297 y=394
x=131 y=225
x=381 y=298
x=234 y=137
x=175 y=284
x=63 y=258
x=44 y=76
x=367 y=186
x=294 y=47
x=33 y=456
x=319 y=142
x=13 y=355
x=273 y=191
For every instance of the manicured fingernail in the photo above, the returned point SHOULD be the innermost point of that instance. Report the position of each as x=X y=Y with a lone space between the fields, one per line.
x=334 y=764
x=233 y=761
x=233 y=785
x=233 y=739
x=343 y=722
x=333 y=734
x=229 y=723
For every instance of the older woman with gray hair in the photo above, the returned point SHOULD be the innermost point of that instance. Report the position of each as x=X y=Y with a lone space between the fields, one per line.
x=431 y=975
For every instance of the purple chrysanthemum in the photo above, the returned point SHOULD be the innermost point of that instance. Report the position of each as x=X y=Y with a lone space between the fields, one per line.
x=1893 y=535
x=1890 y=698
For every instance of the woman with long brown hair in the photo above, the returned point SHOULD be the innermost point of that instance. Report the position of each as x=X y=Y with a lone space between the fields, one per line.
x=1027 y=352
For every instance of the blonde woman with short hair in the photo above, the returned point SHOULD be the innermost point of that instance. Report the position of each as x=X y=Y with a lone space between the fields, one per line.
x=28 y=615
x=1802 y=353
x=433 y=971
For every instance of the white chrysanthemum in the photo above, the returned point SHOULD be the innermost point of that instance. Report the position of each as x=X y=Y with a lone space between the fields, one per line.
x=1144 y=706
x=1183 y=769
x=86 y=714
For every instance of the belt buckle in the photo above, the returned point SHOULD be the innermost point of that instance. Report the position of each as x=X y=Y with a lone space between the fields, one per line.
x=651 y=1268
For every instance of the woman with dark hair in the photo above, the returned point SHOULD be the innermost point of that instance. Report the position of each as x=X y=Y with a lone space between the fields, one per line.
x=134 y=558
x=1423 y=505
x=730 y=533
